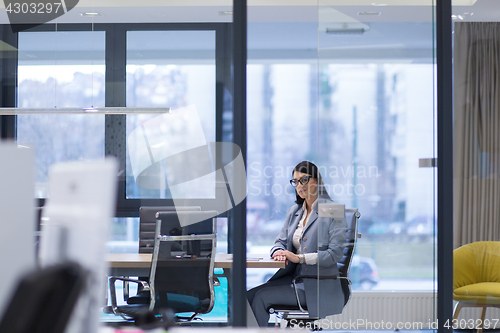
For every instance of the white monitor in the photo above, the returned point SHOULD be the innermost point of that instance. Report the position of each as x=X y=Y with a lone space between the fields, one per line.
x=75 y=227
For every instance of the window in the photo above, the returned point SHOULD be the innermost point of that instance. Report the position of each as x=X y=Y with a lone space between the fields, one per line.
x=172 y=69
x=60 y=69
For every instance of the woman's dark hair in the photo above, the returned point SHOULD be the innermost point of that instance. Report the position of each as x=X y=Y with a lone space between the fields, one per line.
x=310 y=169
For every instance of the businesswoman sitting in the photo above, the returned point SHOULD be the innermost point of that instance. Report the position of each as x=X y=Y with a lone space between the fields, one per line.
x=310 y=245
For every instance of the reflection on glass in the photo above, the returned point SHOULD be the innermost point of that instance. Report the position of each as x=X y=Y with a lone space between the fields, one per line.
x=158 y=154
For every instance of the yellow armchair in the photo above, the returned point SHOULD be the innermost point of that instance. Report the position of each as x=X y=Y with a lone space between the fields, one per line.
x=476 y=277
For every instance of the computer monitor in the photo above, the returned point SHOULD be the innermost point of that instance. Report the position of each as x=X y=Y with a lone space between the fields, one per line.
x=75 y=227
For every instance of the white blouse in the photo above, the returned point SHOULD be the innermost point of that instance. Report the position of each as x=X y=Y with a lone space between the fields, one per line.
x=309 y=258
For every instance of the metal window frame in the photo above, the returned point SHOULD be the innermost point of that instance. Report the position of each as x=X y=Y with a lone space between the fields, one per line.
x=238 y=315
x=8 y=74
x=444 y=55
x=116 y=87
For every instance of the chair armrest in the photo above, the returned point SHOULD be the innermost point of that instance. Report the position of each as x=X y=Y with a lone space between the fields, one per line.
x=166 y=238
x=145 y=285
x=112 y=288
x=332 y=277
x=345 y=278
x=294 y=281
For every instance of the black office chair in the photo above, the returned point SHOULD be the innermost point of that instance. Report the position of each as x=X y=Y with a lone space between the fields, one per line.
x=44 y=299
x=181 y=275
x=147 y=224
x=300 y=313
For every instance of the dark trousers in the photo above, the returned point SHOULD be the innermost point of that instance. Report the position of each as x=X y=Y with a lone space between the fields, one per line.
x=279 y=291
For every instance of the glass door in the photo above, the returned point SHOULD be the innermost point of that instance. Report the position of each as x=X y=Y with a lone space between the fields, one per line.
x=349 y=86
x=375 y=138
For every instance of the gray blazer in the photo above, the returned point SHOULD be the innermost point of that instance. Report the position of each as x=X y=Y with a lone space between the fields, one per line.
x=327 y=237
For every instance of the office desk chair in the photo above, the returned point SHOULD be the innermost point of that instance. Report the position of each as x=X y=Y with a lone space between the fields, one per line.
x=181 y=276
x=147 y=223
x=476 y=277
x=44 y=300
x=300 y=313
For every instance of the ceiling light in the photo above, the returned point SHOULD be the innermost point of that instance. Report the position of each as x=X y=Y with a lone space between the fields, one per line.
x=226 y=13
x=91 y=14
x=370 y=13
x=462 y=16
x=346 y=28
x=347 y=31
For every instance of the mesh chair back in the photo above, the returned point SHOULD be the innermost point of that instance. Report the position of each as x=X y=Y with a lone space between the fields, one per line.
x=147 y=223
x=344 y=265
x=183 y=262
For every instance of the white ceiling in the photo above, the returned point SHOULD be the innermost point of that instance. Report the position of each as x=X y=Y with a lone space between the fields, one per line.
x=297 y=30
x=127 y=11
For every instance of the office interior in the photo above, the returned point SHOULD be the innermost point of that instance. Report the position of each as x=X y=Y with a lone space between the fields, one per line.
x=354 y=86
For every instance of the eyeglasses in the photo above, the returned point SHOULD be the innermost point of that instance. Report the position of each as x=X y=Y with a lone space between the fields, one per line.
x=303 y=180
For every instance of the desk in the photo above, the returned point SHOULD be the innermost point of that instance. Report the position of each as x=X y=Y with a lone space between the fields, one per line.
x=138 y=264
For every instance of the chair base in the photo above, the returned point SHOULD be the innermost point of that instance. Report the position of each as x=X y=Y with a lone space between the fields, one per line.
x=463 y=304
x=291 y=313
x=295 y=318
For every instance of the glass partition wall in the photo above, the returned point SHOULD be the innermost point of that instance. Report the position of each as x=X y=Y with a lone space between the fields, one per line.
x=351 y=87
x=377 y=78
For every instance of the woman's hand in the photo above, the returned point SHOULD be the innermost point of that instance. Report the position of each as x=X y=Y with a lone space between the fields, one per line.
x=279 y=255
x=290 y=256
x=285 y=255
